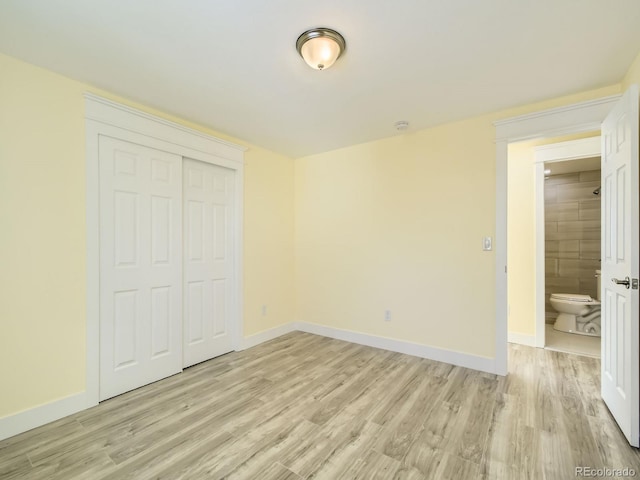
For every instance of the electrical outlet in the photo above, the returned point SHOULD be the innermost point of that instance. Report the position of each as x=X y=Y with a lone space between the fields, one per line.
x=264 y=310
x=387 y=315
x=487 y=244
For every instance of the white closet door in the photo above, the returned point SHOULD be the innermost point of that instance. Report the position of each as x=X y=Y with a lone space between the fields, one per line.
x=140 y=266
x=208 y=193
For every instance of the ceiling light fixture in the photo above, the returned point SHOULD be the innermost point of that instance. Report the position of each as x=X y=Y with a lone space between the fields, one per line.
x=320 y=47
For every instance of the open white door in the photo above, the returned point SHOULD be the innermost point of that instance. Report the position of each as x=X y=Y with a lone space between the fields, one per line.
x=620 y=331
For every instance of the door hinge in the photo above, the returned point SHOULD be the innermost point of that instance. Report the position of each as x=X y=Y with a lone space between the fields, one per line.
x=634 y=283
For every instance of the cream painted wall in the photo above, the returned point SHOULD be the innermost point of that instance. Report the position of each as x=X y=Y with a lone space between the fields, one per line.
x=398 y=224
x=42 y=239
x=633 y=74
x=521 y=294
x=521 y=238
x=42 y=235
x=268 y=240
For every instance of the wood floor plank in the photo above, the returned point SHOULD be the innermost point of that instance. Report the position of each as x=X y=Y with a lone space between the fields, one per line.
x=408 y=473
x=14 y=466
x=445 y=426
x=609 y=439
x=367 y=402
x=453 y=467
x=474 y=441
x=165 y=460
x=275 y=472
x=182 y=427
x=117 y=430
x=88 y=465
x=20 y=444
x=209 y=462
x=404 y=388
x=374 y=465
x=555 y=455
x=408 y=423
x=43 y=472
x=254 y=465
x=308 y=407
x=337 y=400
x=424 y=458
x=576 y=423
x=496 y=470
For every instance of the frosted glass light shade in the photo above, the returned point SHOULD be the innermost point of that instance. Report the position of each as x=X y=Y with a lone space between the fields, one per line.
x=320 y=52
x=320 y=47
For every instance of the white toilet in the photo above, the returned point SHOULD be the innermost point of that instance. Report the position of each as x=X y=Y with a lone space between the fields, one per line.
x=577 y=313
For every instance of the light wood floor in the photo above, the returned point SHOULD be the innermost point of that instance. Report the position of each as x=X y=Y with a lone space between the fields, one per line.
x=304 y=406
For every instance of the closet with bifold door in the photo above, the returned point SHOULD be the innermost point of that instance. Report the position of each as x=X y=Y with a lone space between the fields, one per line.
x=168 y=235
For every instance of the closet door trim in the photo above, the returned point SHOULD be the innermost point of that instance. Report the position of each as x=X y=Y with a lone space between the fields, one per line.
x=107 y=118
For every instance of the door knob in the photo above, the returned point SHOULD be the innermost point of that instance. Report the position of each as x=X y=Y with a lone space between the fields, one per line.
x=626 y=282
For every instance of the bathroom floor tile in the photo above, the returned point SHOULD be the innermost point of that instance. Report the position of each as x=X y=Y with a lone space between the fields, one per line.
x=571 y=342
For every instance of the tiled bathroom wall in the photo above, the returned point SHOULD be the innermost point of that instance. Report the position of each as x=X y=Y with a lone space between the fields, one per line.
x=572 y=235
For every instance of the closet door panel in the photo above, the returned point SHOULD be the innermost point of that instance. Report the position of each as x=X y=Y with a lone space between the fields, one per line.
x=208 y=260
x=140 y=265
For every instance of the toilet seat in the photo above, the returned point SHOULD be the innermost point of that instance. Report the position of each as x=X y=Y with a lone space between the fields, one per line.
x=574 y=297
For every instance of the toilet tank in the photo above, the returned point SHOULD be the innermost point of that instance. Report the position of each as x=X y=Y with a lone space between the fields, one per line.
x=598 y=276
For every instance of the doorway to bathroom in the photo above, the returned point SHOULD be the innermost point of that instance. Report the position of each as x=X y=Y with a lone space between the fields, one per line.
x=570 y=234
x=620 y=264
x=554 y=243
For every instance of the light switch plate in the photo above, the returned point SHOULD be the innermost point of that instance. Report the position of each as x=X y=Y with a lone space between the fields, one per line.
x=487 y=244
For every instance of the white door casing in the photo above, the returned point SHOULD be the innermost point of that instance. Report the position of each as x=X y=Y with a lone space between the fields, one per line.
x=620 y=256
x=208 y=260
x=140 y=265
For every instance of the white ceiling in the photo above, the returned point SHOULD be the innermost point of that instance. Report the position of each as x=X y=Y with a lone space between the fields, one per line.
x=232 y=65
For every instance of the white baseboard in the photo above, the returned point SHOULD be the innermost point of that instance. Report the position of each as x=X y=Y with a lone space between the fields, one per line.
x=266 y=335
x=522 y=339
x=475 y=362
x=35 y=417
